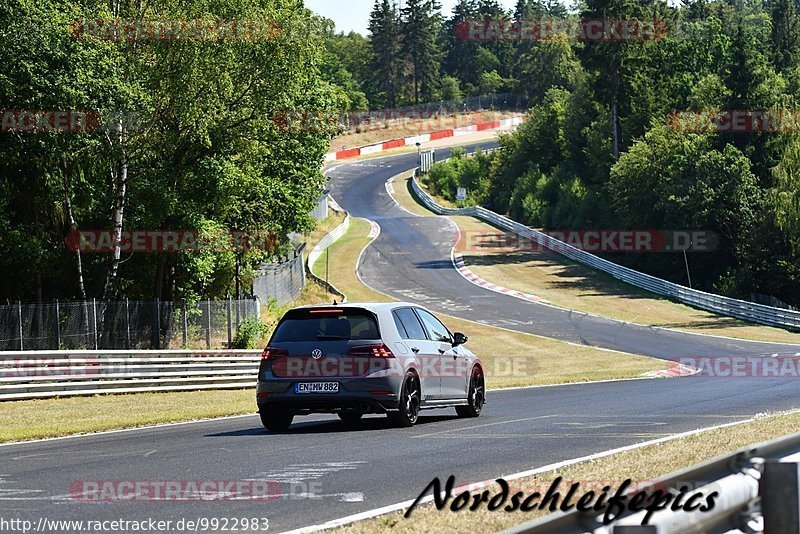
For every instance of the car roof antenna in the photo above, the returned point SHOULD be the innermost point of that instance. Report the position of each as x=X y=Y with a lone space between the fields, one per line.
x=334 y=302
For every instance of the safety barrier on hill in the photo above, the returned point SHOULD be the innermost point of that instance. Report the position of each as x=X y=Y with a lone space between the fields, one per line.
x=748 y=311
x=422 y=138
x=317 y=251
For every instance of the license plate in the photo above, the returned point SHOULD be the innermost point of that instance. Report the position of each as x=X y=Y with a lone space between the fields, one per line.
x=317 y=387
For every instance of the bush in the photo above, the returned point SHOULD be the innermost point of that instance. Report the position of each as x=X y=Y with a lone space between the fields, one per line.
x=249 y=334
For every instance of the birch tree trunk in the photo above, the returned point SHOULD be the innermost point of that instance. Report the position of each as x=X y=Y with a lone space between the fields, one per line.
x=119 y=177
x=73 y=227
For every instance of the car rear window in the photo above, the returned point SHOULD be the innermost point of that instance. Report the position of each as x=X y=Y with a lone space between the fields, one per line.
x=320 y=324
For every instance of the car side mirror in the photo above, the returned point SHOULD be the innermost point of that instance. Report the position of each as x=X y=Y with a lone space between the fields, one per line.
x=459 y=339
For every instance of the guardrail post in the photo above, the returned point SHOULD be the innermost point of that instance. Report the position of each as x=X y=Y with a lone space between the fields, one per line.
x=157 y=325
x=19 y=313
x=780 y=496
x=208 y=324
x=58 y=326
x=185 y=327
x=230 y=326
x=94 y=321
x=127 y=325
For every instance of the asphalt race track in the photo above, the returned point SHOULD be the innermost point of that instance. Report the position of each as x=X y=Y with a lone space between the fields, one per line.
x=351 y=471
x=410 y=260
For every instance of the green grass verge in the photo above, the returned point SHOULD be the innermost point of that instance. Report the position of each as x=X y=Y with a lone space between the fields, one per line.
x=47 y=418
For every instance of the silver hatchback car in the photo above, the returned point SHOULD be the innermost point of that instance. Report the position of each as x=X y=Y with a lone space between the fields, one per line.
x=353 y=359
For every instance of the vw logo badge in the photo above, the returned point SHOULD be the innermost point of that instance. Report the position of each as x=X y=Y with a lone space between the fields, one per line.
x=316 y=354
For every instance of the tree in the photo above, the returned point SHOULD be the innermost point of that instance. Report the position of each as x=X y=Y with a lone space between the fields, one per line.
x=420 y=30
x=785 y=34
x=786 y=194
x=208 y=153
x=385 y=62
x=504 y=50
x=548 y=64
x=459 y=61
x=347 y=66
x=686 y=183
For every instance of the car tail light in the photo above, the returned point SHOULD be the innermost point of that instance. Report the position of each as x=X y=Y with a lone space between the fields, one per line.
x=373 y=351
x=271 y=352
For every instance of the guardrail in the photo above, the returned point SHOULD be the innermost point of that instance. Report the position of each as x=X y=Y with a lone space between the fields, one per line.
x=319 y=248
x=758 y=486
x=741 y=309
x=43 y=374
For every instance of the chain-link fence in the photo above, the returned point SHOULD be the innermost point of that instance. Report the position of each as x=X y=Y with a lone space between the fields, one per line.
x=281 y=281
x=123 y=324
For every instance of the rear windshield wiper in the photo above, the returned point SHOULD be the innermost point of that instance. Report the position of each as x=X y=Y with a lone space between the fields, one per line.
x=324 y=338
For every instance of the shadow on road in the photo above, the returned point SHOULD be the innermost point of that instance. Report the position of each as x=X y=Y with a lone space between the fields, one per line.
x=334 y=426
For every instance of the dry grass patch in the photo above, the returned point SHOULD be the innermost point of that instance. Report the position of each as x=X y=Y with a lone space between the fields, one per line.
x=643 y=464
x=577 y=287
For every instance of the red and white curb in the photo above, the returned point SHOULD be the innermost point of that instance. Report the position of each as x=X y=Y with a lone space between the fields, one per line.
x=675 y=370
x=463 y=270
x=422 y=138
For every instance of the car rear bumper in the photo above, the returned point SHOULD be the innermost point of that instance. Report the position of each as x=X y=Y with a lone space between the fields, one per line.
x=366 y=395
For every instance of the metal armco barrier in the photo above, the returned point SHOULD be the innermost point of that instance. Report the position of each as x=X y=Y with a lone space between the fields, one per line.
x=317 y=251
x=741 y=309
x=426 y=160
x=44 y=374
x=757 y=489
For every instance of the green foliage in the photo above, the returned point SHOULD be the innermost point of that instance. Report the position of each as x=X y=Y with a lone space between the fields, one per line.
x=249 y=334
x=597 y=150
x=207 y=153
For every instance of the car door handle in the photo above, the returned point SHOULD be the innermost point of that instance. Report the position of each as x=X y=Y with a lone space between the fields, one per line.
x=415 y=350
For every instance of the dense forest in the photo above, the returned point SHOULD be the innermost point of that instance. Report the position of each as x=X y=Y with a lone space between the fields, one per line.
x=600 y=147
x=415 y=54
x=183 y=140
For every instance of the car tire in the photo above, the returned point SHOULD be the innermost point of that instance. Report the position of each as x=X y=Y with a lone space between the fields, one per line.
x=476 y=396
x=409 y=406
x=350 y=418
x=276 y=421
